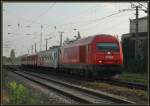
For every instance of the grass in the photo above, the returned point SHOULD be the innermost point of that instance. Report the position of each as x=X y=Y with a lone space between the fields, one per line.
x=134 y=77
x=138 y=96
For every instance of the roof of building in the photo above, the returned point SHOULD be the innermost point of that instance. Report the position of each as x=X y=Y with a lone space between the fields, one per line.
x=140 y=34
x=141 y=18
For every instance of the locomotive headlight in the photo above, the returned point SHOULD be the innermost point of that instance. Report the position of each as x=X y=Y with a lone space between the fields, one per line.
x=100 y=61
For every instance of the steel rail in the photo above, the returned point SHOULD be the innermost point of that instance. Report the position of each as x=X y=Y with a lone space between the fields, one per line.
x=88 y=90
x=94 y=93
x=122 y=83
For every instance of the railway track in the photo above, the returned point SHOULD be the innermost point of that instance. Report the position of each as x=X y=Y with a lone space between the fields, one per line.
x=121 y=83
x=116 y=82
x=126 y=84
x=81 y=94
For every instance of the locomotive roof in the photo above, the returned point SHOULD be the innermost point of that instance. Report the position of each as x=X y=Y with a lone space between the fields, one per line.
x=41 y=52
x=85 y=41
x=50 y=49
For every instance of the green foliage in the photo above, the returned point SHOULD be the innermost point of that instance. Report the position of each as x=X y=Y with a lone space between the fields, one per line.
x=134 y=77
x=19 y=94
x=136 y=65
x=6 y=60
x=122 y=91
x=132 y=64
x=12 y=56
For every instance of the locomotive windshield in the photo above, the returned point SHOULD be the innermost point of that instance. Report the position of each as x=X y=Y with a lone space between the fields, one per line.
x=107 y=46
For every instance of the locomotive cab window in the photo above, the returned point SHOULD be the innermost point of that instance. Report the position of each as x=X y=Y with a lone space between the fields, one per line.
x=107 y=46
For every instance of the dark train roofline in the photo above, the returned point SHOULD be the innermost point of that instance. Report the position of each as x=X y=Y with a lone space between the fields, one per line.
x=88 y=40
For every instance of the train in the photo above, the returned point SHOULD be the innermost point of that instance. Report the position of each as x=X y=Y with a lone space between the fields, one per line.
x=98 y=55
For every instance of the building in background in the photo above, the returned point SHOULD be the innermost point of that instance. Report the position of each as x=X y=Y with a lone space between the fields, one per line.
x=137 y=50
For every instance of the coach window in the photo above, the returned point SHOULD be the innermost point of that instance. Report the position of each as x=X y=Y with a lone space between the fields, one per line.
x=49 y=57
x=45 y=57
x=55 y=55
x=42 y=57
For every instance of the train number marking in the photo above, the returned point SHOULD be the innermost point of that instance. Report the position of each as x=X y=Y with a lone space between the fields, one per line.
x=108 y=57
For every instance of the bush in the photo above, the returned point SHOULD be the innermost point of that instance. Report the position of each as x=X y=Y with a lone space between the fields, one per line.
x=18 y=94
x=136 y=65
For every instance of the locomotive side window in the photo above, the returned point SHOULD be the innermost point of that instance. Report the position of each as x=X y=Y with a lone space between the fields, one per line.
x=55 y=55
x=107 y=46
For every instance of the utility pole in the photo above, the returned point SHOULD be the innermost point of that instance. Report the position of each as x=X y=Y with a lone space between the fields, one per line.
x=61 y=38
x=148 y=30
x=41 y=39
x=32 y=49
x=46 y=44
x=35 y=47
x=136 y=29
x=28 y=51
x=78 y=34
x=47 y=41
x=137 y=23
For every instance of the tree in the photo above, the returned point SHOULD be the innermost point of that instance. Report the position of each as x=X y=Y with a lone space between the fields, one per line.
x=78 y=36
x=12 y=55
x=4 y=58
x=66 y=41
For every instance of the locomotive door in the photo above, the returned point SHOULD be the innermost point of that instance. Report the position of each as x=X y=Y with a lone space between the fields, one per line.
x=82 y=54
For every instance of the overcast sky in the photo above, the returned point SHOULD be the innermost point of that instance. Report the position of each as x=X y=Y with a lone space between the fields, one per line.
x=22 y=22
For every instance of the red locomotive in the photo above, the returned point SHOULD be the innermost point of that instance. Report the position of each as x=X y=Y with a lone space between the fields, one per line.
x=94 y=55
x=99 y=54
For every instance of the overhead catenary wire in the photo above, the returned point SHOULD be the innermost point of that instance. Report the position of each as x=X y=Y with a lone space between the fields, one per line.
x=142 y=5
x=95 y=20
x=90 y=21
x=107 y=27
x=26 y=20
x=102 y=17
x=99 y=19
x=117 y=25
x=87 y=24
x=77 y=15
x=40 y=15
x=73 y=17
x=108 y=16
x=78 y=24
x=80 y=14
x=100 y=23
